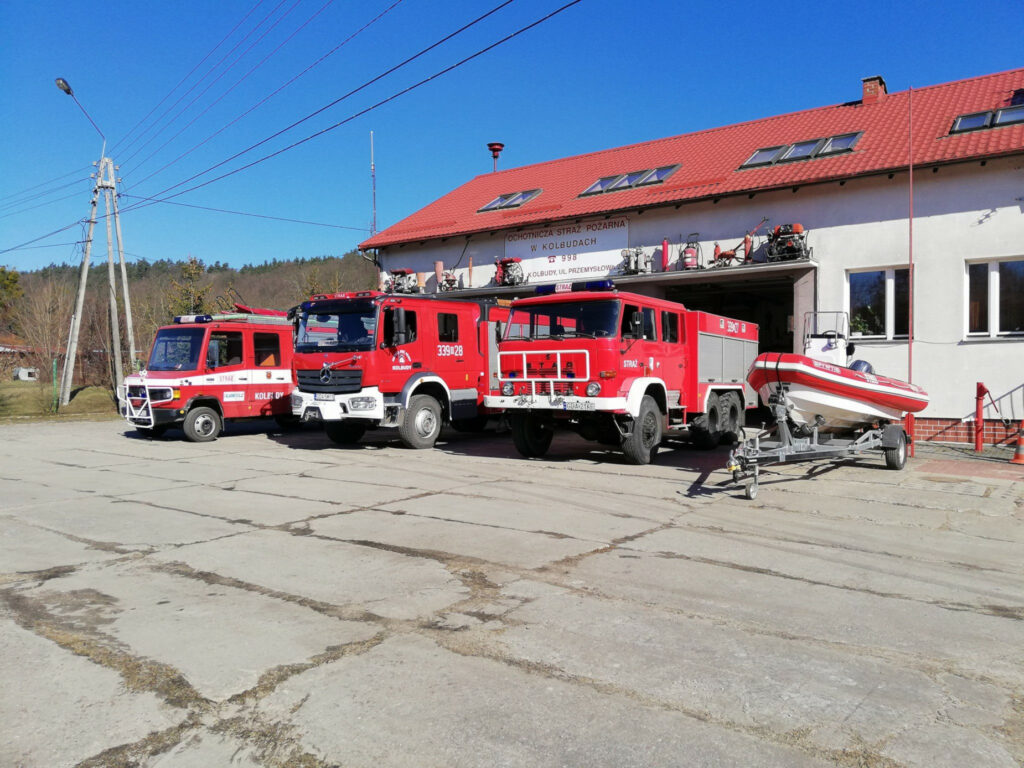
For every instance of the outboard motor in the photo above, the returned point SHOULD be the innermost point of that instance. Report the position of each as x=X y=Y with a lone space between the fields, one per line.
x=862 y=366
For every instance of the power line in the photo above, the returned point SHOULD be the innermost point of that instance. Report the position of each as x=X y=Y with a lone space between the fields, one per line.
x=41 y=237
x=40 y=205
x=212 y=69
x=186 y=77
x=341 y=98
x=244 y=213
x=38 y=195
x=267 y=98
x=34 y=247
x=43 y=184
x=240 y=80
x=362 y=112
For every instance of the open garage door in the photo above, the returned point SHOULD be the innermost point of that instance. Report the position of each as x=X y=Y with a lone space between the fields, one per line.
x=767 y=303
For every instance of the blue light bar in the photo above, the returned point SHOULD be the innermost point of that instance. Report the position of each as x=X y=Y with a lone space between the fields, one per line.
x=589 y=285
x=193 y=319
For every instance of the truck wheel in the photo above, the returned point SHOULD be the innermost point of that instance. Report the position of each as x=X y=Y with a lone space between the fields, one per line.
x=707 y=429
x=344 y=432
x=896 y=458
x=642 y=445
x=732 y=417
x=422 y=422
x=531 y=434
x=202 y=425
x=152 y=432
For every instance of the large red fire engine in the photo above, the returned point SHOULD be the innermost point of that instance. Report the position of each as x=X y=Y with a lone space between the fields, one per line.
x=372 y=359
x=204 y=369
x=622 y=369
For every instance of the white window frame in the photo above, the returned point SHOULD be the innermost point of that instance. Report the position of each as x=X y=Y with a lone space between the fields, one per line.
x=890 y=303
x=993 y=331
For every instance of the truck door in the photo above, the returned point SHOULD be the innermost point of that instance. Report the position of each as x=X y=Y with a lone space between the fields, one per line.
x=672 y=351
x=458 y=360
x=641 y=355
x=226 y=370
x=401 y=358
x=271 y=380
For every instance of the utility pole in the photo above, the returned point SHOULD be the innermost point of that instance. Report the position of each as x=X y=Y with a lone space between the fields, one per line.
x=106 y=180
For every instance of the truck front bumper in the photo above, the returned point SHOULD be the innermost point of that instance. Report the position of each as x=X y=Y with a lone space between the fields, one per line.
x=568 y=403
x=366 y=404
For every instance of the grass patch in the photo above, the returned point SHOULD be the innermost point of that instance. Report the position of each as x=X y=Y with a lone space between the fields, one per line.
x=31 y=400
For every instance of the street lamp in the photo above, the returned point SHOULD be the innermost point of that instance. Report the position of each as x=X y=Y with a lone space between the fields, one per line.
x=64 y=86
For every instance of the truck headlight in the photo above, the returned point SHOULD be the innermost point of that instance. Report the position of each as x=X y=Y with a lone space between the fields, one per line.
x=362 y=403
x=508 y=389
x=296 y=400
x=593 y=389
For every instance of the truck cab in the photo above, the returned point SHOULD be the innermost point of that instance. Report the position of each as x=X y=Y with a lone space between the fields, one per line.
x=370 y=359
x=622 y=369
x=206 y=369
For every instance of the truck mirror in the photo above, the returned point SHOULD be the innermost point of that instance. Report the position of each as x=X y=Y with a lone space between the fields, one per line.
x=636 y=325
x=401 y=331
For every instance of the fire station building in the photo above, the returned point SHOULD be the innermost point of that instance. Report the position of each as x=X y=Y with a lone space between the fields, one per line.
x=869 y=207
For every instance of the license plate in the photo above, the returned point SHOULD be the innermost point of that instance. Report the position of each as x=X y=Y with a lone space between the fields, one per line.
x=580 y=405
x=323 y=396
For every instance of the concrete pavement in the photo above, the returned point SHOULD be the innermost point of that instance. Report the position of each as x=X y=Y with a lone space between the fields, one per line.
x=270 y=599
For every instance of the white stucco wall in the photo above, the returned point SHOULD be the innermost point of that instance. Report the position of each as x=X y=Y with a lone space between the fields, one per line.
x=961 y=213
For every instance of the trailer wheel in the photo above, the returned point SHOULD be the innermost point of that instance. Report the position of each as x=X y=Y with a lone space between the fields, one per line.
x=732 y=417
x=531 y=434
x=642 y=444
x=344 y=432
x=896 y=458
x=202 y=425
x=707 y=429
x=750 y=492
x=421 y=423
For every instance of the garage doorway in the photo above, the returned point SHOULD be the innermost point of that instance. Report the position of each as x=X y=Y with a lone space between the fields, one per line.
x=769 y=304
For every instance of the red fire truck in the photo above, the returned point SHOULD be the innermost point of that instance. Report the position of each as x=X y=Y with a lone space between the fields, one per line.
x=204 y=369
x=622 y=369
x=414 y=362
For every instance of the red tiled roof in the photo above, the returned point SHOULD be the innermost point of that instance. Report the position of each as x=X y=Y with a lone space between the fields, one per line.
x=710 y=160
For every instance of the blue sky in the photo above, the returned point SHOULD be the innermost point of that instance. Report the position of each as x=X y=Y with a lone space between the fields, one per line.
x=598 y=75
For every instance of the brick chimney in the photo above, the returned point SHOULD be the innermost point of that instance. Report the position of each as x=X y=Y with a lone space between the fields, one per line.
x=874 y=89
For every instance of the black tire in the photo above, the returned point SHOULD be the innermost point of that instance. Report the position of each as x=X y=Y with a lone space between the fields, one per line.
x=152 y=432
x=896 y=458
x=202 y=425
x=642 y=445
x=421 y=423
x=475 y=424
x=707 y=429
x=732 y=417
x=531 y=433
x=344 y=432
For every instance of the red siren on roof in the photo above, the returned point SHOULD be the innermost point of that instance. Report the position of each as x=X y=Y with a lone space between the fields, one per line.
x=495 y=147
x=874 y=89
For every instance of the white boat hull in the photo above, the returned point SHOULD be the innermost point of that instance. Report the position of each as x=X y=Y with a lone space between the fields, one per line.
x=839 y=413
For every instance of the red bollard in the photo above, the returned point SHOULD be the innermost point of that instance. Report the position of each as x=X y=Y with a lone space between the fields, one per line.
x=979 y=416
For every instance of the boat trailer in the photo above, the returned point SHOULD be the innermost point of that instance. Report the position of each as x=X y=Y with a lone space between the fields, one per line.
x=746 y=459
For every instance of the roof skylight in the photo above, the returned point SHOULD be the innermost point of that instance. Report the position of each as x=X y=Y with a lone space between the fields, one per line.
x=803 y=150
x=631 y=180
x=979 y=121
x=512 y=200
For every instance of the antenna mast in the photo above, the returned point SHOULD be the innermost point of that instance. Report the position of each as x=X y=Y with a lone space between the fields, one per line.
x=373 y=187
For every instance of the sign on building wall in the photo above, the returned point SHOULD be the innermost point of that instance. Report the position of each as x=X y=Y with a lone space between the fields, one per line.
x=570 y=251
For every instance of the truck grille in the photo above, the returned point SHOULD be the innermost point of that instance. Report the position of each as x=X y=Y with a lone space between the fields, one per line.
x=340 y=382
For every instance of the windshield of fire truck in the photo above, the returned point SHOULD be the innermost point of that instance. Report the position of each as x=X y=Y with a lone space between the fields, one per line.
x=568 y=320
x=176 y=349
x=339 y=328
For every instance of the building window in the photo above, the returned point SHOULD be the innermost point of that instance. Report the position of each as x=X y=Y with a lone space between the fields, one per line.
x=977 y=121
x=511 y=200
x=879 y=303
x=803 y=150
x=631 y=180
x=447 y=327
x=995 y=298
x=1009 y=116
